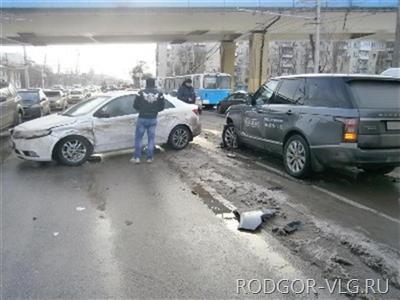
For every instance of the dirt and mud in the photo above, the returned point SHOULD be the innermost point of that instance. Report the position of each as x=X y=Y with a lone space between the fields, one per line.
x=225 y=181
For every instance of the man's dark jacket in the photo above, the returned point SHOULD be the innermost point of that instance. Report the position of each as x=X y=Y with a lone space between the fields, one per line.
x=149 y=109
x=186 y=94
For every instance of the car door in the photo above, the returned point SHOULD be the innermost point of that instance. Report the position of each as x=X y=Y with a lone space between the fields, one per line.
x=114 y=123
x=253 y=119
x=283 y=110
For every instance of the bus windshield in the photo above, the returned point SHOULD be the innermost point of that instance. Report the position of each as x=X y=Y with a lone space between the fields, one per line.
x=217 y=82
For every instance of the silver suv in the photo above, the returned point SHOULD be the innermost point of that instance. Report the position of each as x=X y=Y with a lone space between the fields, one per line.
x=11 y=112
x=322 y=120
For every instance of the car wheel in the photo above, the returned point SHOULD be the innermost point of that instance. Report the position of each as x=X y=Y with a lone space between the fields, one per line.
x=73 y=150
x=378 y=171
x=230 y=138
x=296 y=157
x=179 y=137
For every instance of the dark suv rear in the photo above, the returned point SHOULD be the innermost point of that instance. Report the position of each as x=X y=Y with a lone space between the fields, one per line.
x=322 y=120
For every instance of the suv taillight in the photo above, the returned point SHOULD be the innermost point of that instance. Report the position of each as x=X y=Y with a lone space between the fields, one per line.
x=350 y=129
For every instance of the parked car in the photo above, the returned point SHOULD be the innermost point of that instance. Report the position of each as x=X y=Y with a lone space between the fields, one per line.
x=238 y=97
x=322 y=120
x=76 y=96
x=392 y=72
x=58 y=100
x=101 y=124
x=11 y=112
x=35 y=103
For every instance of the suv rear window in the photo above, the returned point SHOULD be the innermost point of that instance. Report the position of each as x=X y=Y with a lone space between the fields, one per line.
x=326 y=92
x=376 y=94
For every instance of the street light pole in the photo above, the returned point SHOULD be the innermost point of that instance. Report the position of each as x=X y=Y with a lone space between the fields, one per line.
x=317 y=37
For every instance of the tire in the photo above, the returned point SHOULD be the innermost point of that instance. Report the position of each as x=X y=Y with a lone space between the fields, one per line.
x=296 y=157
x=378 y=170
x=230 y=138
x=179 y=137
x=66 y=150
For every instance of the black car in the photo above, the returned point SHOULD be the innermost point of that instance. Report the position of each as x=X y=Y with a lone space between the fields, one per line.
x=232 y=99
x=322 y=120
x=35 y=103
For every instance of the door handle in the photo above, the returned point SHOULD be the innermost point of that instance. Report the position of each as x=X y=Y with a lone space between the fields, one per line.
x=289 y=112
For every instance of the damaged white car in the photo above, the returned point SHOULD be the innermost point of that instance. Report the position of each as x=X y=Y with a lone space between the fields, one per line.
x=98 y=125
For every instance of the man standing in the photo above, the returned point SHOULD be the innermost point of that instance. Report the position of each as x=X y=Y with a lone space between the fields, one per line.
x=186 y=92
x=148 y=103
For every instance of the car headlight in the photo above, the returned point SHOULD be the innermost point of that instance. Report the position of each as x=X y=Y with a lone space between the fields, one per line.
x=30 y=134
x=58 y=101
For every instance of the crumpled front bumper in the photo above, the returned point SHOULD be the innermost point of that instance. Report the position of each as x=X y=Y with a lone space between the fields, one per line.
x=37 y=149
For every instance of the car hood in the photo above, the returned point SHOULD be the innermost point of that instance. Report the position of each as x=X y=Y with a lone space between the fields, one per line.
x=47 y=122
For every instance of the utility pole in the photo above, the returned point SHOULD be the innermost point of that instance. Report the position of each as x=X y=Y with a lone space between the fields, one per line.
x=317 y=37
x=43 y=69
x=26 y=69
x=396 y=52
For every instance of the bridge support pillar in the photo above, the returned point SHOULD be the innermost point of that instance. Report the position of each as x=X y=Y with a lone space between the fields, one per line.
x=259 y=68
x=228 y=49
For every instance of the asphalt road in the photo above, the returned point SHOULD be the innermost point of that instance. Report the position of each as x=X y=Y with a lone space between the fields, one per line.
x=143 y=233
x=112 y=229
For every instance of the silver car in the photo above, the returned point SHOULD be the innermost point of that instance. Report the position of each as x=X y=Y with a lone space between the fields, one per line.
x=11 y=111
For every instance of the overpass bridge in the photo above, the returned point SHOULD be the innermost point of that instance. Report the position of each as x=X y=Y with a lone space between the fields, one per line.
x=34 y=22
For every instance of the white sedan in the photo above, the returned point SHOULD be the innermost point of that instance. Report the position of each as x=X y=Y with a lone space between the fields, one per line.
x=102 y=124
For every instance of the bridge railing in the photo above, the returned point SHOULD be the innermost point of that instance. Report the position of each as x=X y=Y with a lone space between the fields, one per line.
x=198 y=4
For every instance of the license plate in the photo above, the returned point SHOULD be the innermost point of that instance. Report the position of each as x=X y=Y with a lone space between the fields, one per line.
x=393 y=125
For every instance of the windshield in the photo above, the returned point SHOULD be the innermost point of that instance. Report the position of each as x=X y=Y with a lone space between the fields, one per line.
x=224 y=82
x=76 y=93
x=377 y=94
x=29 y=96
x=217 y=82
x=85 y=107
x=52 y=93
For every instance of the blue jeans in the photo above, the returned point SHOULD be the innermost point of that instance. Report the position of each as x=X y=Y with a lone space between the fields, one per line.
x=142 y=126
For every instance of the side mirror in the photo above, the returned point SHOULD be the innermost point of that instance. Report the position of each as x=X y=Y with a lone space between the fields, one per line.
x=102 y=114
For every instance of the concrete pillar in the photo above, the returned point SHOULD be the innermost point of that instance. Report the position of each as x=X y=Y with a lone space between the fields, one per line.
x=228 y=50
x=259 y=69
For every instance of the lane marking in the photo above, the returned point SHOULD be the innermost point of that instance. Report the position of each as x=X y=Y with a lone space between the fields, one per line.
x=325 y=191
x=355 y=204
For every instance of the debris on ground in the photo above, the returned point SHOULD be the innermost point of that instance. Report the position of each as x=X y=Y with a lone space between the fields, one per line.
x=34 y=218
x=292 y=227
x=128 y=223
x=194 y=193
x=279 y=231
x=56 y=233
x=80 y=208
x=102 y=217
x=341 y=261
x=275 y=188
x=251 y=220
x=231 y=155
x=94 y=159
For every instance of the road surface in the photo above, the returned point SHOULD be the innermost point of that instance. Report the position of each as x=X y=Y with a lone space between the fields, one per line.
x=111 y=229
